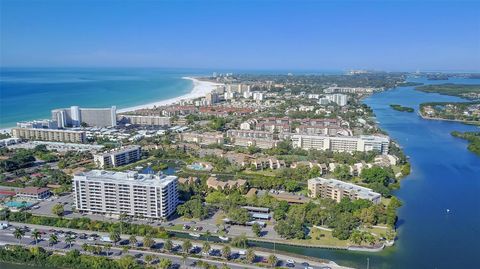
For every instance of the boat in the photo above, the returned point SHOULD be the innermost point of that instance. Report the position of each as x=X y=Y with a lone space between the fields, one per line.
x=224 y=238
x=194 y=235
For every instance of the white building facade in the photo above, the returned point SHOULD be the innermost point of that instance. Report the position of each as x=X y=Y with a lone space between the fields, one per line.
x=118 y=157
x=94 y=117
x=129 y=193
x=342 y=143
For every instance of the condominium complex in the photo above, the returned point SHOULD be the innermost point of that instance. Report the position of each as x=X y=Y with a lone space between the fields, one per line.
x=130 y=193
x=339 y=99
x=76 y=116
x=38 y=124
x=341 y=143
x=246 y=138
x=336 y=190
x=147 y=120
x=118 y=157
x=202 y=138
x=50 y=135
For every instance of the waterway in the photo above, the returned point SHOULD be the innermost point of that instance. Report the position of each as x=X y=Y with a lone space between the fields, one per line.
x=445 y=175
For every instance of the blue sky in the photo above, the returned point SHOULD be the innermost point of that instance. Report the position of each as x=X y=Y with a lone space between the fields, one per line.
x=303 y=35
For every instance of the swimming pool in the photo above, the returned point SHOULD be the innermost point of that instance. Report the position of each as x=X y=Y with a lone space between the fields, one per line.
x=18 y=204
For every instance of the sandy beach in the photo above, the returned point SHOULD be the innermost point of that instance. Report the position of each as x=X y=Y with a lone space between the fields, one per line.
x=200 y=88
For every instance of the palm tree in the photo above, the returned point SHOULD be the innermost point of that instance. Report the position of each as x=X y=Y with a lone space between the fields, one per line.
x=24 y=207
x=149 y=258
x=132 y=240
x=18 y=233
x=206 y=248
x=115 y=236
x=208 y=234
x=187 y=245
x=164 y=263
x=53 y=239
x=250 y=255
x=226 y=252
x=168 y=246
x=148 y=242
x=107 y=248
x=69 y=240
x=36 y=235
x=85 y=247
x=272 y=260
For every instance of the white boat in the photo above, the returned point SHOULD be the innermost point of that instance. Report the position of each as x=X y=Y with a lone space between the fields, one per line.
x=194 y=235
x=224 y=238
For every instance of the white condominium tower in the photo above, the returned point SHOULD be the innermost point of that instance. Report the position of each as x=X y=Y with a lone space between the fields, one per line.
x=118 y=157
x=94 y=117
x=130 y=193
x=342 y=143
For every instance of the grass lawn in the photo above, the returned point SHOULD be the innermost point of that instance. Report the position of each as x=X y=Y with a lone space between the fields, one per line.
x=321 y=237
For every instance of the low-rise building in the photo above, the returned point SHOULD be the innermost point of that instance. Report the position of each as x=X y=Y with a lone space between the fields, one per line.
x=118 y=157
x=147 y=120
x=129 y=193
x=336 y=190
x=50 y=135
x=202 y=138
x=34 y=193
x=214 y=183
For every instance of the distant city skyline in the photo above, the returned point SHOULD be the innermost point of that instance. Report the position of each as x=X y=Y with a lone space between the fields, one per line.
x=224 y=35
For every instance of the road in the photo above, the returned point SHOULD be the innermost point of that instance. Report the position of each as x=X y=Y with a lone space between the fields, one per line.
x=6 y=237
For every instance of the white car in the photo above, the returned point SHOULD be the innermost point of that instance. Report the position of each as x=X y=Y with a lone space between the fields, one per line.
x=291 y=261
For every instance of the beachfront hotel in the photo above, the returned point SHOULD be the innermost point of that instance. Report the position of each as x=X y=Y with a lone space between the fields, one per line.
x=50 y=135
x=129 y=193
x=93 y=117
x=336 y=190
x=342 y=143
x=118 y=157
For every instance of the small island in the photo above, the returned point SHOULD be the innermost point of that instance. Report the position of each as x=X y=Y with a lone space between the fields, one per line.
x=472 y=137
x=402 y=108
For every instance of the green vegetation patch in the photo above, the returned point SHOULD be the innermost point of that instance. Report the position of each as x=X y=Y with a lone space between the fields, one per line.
x=402 y=108
x=470 y=91
x=472 y=137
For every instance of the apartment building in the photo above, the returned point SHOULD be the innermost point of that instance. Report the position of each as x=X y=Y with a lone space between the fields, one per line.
x=202 y=138
x=147 y=120
x=118 y=157
x=342 y=143
x=50 y=135
x=336 y=190
x=76 y=116
x=38 y=124
x=130 y=193
x=246 y=138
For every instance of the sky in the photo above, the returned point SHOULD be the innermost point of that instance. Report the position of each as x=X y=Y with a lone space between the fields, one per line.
x=298 y=35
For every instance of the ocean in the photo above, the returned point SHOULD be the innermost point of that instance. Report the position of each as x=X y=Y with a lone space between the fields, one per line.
x=28 y=94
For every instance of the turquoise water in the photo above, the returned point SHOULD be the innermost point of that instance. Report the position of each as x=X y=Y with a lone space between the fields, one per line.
x=27 y=94
x=17 y=204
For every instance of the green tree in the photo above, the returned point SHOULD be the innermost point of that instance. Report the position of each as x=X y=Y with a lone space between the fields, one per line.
x=36 y=235
x=114 y=236
x=69 y=240
x=239 y=215
x=58 y=210
x=107 y=248
x=148 y=242
x=127 y=262
x=149 y=258
x=250 y=255
x=164 y=263
x=186 y=246
x=226 y=252
x=257 y=229
x=132 y=240
x=168 y=245
x=206 y=248
x=272 y=260
x=18 y=234
x=53 y=239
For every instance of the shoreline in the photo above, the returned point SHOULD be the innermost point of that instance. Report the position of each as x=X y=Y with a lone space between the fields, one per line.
x=200 y=88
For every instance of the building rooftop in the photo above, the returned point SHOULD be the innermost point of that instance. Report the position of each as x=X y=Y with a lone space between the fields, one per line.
x=120 y=150
x=126 y=177
x=362 y=192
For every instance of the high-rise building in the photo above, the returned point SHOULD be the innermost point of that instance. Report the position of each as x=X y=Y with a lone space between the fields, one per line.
x=76 y=116
x=129 y=193
x=118 y=157
x=336 y=190
x=339 y=99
